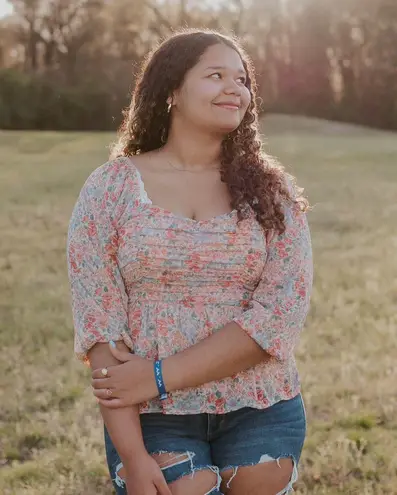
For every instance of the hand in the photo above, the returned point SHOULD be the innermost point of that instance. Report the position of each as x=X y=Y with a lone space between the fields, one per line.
x=126 y=384
x=144 y=477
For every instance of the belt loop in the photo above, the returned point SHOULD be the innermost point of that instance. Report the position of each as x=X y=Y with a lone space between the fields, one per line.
x=208 y=427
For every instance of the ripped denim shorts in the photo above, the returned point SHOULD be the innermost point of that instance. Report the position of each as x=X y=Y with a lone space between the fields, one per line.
x=220 y=441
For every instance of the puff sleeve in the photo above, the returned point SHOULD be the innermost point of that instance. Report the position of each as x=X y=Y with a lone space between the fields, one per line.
x=280 y=302
x=98 y=296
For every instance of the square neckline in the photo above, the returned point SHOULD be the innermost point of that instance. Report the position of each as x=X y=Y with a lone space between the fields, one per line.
x=150 y=205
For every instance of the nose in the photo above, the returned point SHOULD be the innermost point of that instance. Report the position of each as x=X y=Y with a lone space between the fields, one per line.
x=232 y=88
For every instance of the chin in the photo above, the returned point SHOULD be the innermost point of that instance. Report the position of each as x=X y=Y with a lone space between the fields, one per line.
x=227 y=127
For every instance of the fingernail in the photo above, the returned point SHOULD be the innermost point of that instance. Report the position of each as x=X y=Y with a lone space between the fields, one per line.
x=112 y=344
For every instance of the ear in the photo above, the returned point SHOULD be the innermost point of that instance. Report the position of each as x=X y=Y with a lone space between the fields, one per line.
x=173 y=98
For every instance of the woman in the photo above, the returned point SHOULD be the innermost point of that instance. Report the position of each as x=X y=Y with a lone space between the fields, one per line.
x=191 y=270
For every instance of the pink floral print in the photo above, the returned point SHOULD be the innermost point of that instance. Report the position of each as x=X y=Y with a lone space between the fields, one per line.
x=162 y=282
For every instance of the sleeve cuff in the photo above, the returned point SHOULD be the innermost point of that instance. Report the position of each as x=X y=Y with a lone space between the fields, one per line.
x=254 y=322
x=83 y=346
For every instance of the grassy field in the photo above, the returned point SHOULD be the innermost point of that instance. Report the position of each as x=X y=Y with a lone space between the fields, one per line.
x=50 y=429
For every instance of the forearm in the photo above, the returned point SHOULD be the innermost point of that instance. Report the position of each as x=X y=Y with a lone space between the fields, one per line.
x=122 y=424
x=226 y=352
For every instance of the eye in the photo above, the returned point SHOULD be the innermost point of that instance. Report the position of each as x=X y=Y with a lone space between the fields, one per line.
x=216 y=74
x=242 y=79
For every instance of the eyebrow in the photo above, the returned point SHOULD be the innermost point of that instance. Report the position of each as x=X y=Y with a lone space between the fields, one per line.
x=222 y=67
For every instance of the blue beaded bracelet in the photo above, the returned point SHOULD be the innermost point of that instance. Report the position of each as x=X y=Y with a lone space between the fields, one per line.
x=158 y=375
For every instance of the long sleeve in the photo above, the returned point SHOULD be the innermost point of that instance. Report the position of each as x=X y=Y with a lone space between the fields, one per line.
x=280 y=302
x=99 y=300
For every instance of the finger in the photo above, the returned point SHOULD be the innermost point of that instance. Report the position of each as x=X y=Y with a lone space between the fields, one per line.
x=101 y=383
x=105 y=393
x=112 y=403
x=122 y=356
x=151 y=491
x=99 y=374
x=162 y=487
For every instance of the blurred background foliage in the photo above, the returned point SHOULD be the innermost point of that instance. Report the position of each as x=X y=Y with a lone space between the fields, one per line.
x=70 y=64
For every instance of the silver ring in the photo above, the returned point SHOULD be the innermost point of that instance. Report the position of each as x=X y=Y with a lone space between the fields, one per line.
x=104 y=371
x=108 y=392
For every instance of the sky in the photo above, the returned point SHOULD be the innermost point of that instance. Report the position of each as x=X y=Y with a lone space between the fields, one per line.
x=5 y=8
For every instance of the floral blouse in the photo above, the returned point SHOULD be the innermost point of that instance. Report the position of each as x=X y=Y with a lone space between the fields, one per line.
x=162 y=282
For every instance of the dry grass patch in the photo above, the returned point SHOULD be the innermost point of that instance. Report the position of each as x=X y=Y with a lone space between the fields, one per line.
x=50 y=430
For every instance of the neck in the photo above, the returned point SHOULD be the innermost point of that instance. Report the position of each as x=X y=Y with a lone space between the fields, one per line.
x=192 y=149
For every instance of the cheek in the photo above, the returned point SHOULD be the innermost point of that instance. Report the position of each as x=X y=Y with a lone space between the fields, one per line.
x=201 y=93
x=245 y=98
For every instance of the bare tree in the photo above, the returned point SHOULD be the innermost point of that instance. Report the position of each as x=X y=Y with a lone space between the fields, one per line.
x=28 y=12
x=315 y=57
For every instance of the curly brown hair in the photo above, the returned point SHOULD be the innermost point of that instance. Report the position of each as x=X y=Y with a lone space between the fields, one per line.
x=252 y=176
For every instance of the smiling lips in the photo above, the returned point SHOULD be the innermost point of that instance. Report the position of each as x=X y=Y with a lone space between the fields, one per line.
x=229 y=105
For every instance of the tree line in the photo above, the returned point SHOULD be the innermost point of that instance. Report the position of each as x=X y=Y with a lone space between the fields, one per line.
x=70 y=64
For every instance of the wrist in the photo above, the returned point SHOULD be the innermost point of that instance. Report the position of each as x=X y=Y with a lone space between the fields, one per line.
x=150 y=381
x=132 y=451
x=132 y=460
x=173 y=378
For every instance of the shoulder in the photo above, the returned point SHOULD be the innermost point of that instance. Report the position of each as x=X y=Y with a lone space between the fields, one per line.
x=109 y=190
x=111 y=176
x=108 y=183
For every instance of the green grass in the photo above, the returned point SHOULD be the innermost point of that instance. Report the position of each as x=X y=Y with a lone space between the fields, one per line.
x=50 y=429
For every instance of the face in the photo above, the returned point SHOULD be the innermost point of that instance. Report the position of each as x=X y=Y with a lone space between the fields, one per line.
x=214 y=94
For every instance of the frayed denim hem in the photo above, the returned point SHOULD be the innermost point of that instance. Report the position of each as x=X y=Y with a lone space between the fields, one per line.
x=267 y=458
